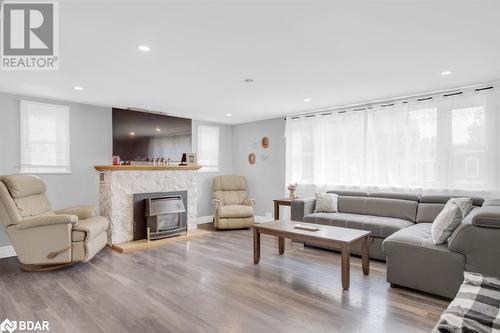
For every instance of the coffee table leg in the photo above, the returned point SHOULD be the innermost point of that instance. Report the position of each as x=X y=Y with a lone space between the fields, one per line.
x=346 y=269
x=365 y=255
x=281 y=245
x=256 y=246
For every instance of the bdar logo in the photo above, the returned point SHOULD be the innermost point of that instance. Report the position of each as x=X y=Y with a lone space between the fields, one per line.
x=8 y=326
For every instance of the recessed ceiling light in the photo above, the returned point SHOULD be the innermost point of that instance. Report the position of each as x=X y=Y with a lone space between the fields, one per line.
x=143 y=48
x=444 y=73
x=132 y=133
x=78 y=88
x=229 y=114
x=158 y=129
x=248 y=80
x=307 y=99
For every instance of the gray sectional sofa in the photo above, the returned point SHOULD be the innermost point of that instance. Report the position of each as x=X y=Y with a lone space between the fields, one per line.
x=401 y=227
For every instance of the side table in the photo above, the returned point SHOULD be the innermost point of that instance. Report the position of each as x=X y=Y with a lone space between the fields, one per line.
x=278 y=203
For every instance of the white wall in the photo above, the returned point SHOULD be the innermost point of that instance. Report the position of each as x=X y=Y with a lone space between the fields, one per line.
x=91 y=141
x=266 y=178
x=225 y=166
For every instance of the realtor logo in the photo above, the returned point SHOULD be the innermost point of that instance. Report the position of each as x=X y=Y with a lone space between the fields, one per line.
x=30 y=35
x=8 y=326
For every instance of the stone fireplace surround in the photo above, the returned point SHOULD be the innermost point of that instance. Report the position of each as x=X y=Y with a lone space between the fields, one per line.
x=118 y=184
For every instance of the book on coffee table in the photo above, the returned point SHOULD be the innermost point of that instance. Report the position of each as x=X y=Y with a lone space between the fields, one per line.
x=306 y=227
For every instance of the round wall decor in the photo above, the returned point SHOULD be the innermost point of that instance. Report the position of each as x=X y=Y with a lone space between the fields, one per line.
x=264 y=142
x=251 y=158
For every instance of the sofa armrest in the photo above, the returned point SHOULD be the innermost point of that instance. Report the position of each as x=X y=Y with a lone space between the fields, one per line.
x=302 y=207
x=249 y=202
x=491 y=202
x=83 y=212
x=478 y=239
x=487 y=217
x=45 y=220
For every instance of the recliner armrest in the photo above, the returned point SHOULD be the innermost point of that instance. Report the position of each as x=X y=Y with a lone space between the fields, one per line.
x=83 y=212
x=249 y=202
x=302 y=207
x=216 y=203
x=487 y=217
x=45 y=220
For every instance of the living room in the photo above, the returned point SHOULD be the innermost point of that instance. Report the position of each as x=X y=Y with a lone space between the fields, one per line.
x=247 y=166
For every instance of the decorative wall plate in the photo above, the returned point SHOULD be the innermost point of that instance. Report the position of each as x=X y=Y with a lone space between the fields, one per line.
x=251 y=158
x=264 y=142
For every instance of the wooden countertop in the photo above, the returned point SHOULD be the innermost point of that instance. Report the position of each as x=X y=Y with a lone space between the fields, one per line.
x=146 y=167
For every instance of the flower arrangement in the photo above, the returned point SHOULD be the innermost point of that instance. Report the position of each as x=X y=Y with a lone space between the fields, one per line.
x=292 y=188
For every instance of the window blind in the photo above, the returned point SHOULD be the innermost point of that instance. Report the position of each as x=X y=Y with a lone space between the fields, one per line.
x=208 y=147
x=45 y=138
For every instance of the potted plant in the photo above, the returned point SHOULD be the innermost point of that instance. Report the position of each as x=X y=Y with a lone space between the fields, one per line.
x=292 y=188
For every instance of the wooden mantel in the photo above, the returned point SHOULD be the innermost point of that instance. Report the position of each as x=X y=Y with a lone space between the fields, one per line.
x=146 y=167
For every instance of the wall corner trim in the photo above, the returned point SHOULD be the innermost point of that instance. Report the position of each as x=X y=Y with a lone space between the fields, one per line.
x=7 y=251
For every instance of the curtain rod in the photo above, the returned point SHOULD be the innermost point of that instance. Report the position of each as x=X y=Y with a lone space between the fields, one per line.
x=390 y=102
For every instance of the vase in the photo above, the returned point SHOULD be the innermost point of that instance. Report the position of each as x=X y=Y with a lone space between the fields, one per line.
x=293 y=195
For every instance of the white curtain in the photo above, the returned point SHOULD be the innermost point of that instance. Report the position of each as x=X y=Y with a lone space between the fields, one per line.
x=433 y=144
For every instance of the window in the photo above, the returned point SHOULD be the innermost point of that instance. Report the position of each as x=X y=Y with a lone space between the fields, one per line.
x=207 y=143
x=440 y=143
x=44 y=138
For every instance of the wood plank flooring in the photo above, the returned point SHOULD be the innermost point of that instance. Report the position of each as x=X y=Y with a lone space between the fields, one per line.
x=211 y=285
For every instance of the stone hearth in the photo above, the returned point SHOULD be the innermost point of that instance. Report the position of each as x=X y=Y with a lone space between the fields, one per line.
x=117 y=187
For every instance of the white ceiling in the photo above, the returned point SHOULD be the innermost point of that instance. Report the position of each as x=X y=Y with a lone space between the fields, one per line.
x=333 y=52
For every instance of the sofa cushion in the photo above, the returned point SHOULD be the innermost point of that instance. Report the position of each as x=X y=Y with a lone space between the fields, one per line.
x=349 y=193
x=417 y=235
x=232 y=211
x=414 y=261
x=385 y=207
x=89 y=228
x=381 y=227
x=428 y=211
x=443 y=199
x=396 y=195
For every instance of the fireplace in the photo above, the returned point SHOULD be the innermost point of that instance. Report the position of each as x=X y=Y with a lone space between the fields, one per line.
x=164 y=217
x=160 y=215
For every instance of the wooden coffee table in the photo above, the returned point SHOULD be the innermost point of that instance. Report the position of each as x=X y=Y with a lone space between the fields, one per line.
x=329 y=237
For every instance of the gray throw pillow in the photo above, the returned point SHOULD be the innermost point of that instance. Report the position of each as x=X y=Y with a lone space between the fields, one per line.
x=326 y=203
x=446 y=222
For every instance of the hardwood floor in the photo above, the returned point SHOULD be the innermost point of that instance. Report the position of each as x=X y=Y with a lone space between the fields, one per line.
x=211 y=285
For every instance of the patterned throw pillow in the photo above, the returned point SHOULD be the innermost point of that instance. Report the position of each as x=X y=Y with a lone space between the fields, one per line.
x=326 y=203
x=465 y=204
x=446 y=222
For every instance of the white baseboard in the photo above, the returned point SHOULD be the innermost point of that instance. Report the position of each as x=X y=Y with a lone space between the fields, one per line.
x=210 y=219
x=204 y=219
x=7 y=251
x=262 y=219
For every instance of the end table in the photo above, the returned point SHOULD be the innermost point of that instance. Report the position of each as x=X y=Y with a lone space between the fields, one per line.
x=278 y=203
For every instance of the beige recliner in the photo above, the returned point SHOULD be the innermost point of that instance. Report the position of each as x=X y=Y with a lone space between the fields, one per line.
x=232 y=207
x=42 y=238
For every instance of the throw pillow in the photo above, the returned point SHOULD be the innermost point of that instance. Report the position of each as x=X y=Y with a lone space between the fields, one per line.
x=326 y=203
x=465 y=205
x=446 y=222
